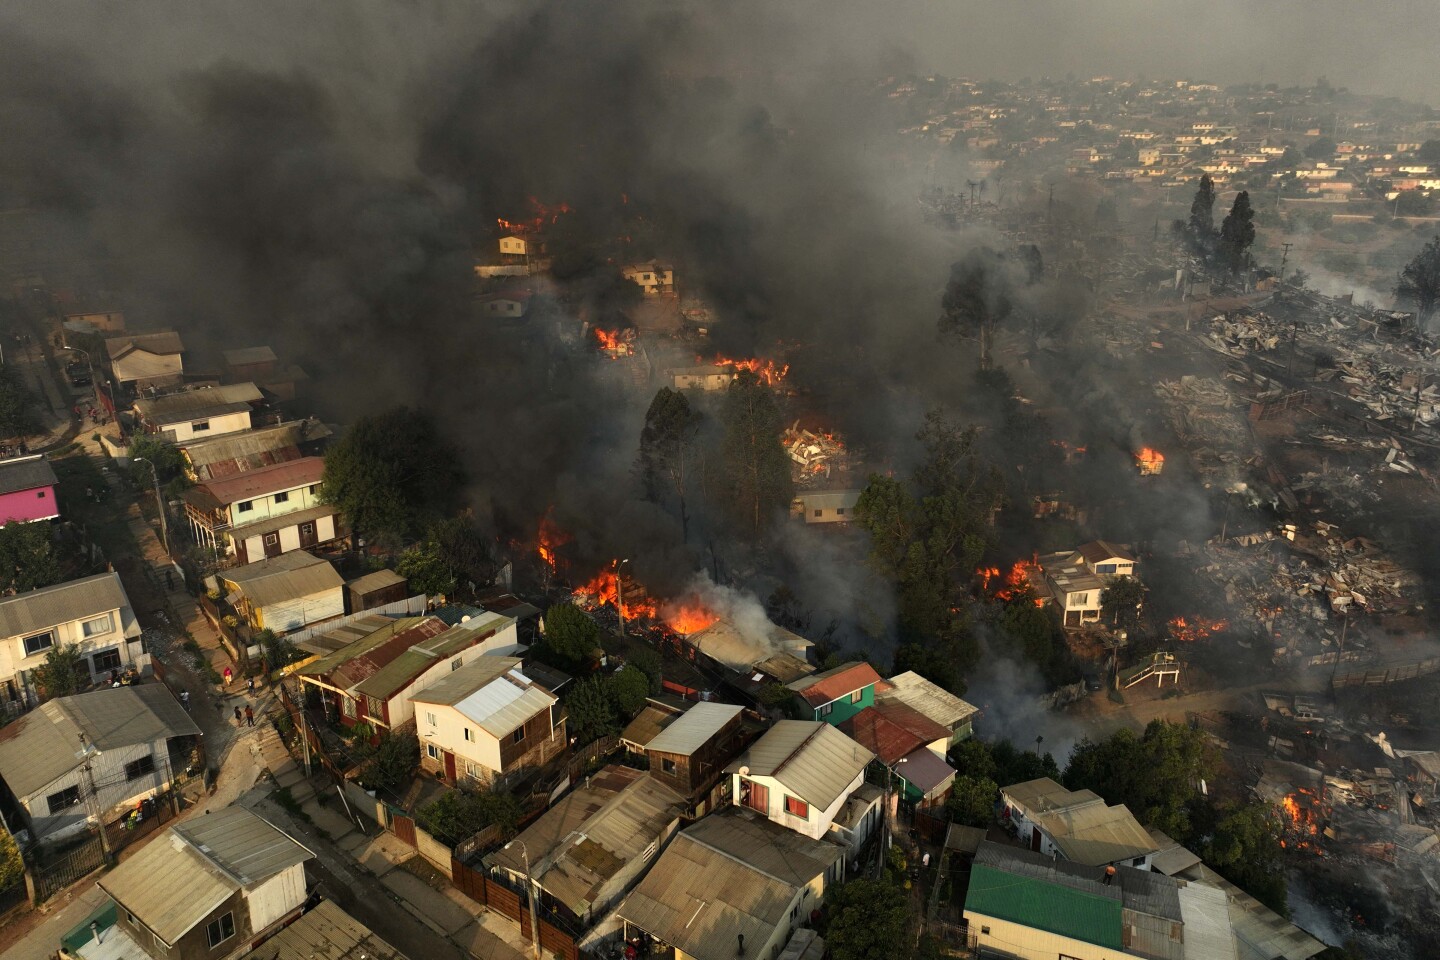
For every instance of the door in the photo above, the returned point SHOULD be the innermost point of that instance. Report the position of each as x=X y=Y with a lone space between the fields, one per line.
x=450 y=767
x=756 y=796
x=1035 y=839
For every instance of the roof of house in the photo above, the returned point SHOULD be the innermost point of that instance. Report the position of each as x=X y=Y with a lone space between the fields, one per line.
x=821 y=688
x=161 y=342
x=493 y=692
x=828 y=499
x=814 y=761
x=219 y=457
x=199 y=403
x=892 y=730
x=925 y=769
x=26 y=473
x=216 y=494
x=1098 y=551
x=694 y=728
x=415 y=659
x=178 y=879
x=727 y=644
x=1170 y=858
x=1072 y=900
x=247 y=355
x=325 y=933
x=38 y=747
x=1205 y=912
x=648 y=723
x=1261 y=933
x=373 y=582
x=933 y=701
x=592 y=833
x=731 y=874
x=37 y=610
x=289 y=576
x=784 y=667
x=1080 y=824
x=363 y=646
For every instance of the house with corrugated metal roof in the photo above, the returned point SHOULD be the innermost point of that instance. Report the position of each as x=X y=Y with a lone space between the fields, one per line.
x=264 y=512
x=325 y=933
x=935 y=702
x=201 y=412
x=487 y=720
x=27 y=490
x=1076 y=825
x=131 y=739
x=211 y=888
x=593 y=844
x=909 y=745
x=733 y=884
x=837 y=695
x=91 y=615
x=690 y=755
x=800 y=775
x=215 y=458
x=146 y=361
x=285 y=593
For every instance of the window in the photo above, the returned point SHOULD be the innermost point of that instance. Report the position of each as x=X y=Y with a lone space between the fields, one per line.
x=1079 y=599
x=347 y=706
x=313 y=488
x=1138 y=862
x=519 y=735
x=106 y=660
x=430 y=718
x=308 y=529
x=140 y=768
x=40 y=494
x=754 y=795
x=93 y=628
x=245 y=506
x=839 y=511
x=64 y=800
x=40 y=641
x=457 y=663
x=1105 y=568
x=220 y=929
x=1066 y=956
x=857 y=696
x=200 y=426
x=819 y=513
x=469 y=735
x=985 y=931
x=432 y=751
x=667 y=765
x=375 y=707
x=271 y=539
x=282 y=497
x=131 y=917
x=797 y=808
x=472 y=771
x=825 y=710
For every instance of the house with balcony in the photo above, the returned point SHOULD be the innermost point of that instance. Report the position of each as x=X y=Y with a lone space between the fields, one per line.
x=212 y=888
x=199 y=413
x=487 y=720
x=284 y=593
x=1076 y=825
x=263 y=513
x=837 y=695
x=130 y=738
x=217 y=458
x=1074 y=580
x=803 y=775
x=27 y=490
x=91 y=615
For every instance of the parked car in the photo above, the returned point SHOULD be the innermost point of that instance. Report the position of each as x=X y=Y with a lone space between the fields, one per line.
x=79 y=373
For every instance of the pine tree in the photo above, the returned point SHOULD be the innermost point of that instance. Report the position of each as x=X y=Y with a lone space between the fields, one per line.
x=667 y=450
x=1201 y=228
x=1420 y=281
x=757 y=468
x=1237 y=233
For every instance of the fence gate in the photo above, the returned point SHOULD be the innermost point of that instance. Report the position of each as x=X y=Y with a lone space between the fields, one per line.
x=403 y=827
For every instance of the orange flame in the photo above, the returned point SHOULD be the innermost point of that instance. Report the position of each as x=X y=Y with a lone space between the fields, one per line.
x=690 y=617
x=617 y=343
x=543 y=215
x=605 y=590
x=1016 y=584
x=1150 y=461
x=549 y=539
x=767 y=371
x=1190 y=629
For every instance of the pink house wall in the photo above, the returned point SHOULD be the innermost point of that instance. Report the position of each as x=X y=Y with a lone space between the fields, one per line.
x=37 y=503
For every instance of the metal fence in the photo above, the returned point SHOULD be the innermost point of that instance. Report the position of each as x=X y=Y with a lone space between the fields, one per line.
x=53 y=875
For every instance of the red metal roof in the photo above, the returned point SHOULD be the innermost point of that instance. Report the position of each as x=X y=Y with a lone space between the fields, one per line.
x=834 y=684
x=370 y=662
x=271 y=479
x=893 y=730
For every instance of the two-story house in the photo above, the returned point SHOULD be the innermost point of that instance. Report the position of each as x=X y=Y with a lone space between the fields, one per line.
x=934 y=702
x=27 y=490
x=1075 y=579
x=837 y=695
x=690 y=754
x=487 y=720
x=285 y=593
x=653 y=278
x=1076 y=825
x=263 y=513
x=593 y=844
x=202 y=412
x=211 y=888
x=800 y=774
x=910 y=745
x=126 y=736
x=215 y=458
x=92 y=614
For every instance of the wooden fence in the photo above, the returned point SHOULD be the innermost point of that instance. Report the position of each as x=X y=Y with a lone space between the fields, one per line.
x=1386 y=673
x=491 y=893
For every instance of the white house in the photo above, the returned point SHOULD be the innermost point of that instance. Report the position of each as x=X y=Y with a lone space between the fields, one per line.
x=652 y=277
x=285 y=593
x=122 y=733
x=92 y=614
x=262 y=513
x=799 y=775
x=1076 y=579
x=147 y=360
x=1076 y=825
x=199 y=413
x=513 y=246
x=487 y=720
x=703 y=377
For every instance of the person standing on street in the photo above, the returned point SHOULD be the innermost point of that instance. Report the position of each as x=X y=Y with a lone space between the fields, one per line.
x=185 y=700
x=239 y=719
x=228 y=677
x=249 y=716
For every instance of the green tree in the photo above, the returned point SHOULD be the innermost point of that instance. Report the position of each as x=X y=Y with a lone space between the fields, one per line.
x=169 y=462
x=1429 y=151
x=1244 y=845
x=390 y=764
x=457 y=815
x=648 y=662
x=426 y=570
x=757 y=469
x=1321 y=148
x=1199 y=230
x=12 y=865
x=977 y=299
x=1414 y=203
x=391 y=475
x=867 y=920
x=668 y=451
x=59 y=675
x=1013 y=765
x=1156 y=774
x=570 y=636
x=971 y=758
x=591 y=712
x=27 y=557
x=465 y=550
x=1120 y=603
x=1035 y=634
x=627 y=689
x=1237 y=233
x=972 y=801
x=279 y=652
x=1420 y=282
x=18 y=417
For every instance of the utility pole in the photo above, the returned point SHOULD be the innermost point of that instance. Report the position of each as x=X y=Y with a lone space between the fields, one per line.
x=304 y=730
x=1284 y=257
x=93 y=801
x=160 y=503
x=620 y=596
x=530 y=888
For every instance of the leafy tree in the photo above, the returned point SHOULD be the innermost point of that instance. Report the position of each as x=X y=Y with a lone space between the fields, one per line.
x=1156 y=774
x=667 y=451
x=647 y=661
x=1321 y=148
x=1413 y=203
x=427 y=570
x=390 y=474
x=169 y=462
x=12 y=865
x=27 y=557
x=627 y=689
x=390 y=764
x=17 y=407
x=757 y=469
x=457 y=815
x=776 y=695
x=1035 y=633
x=971 y=758
x=279 y=652
x=59 y=675
x=1237 y=233
x=972 y=801
x=1120 y=602
x=1244 y=845
x=1420 y=281
x=570 y=635
x=1013 y=765
x=465 y=550
x=978 y=298
x=592 y=713
x=868 y=920
x=1199 y=230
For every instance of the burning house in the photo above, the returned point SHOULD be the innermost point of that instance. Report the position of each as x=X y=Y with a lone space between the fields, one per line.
x=1149 y=462
x=753 y=654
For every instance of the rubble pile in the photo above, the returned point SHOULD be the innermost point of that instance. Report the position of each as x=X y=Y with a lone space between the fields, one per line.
x=1207 y=418
x=815 y=455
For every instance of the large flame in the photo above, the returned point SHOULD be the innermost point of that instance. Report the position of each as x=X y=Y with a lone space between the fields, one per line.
x=689 y=617
x=1017 y=582
x=542 y=215
x=1190 y=629
x=605 y=589
x=617 y=343
x=767 y=371
x=549 y=539
x=1150 y=461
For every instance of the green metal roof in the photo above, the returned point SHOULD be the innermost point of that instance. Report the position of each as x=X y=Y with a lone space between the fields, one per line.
x=1051 y=907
